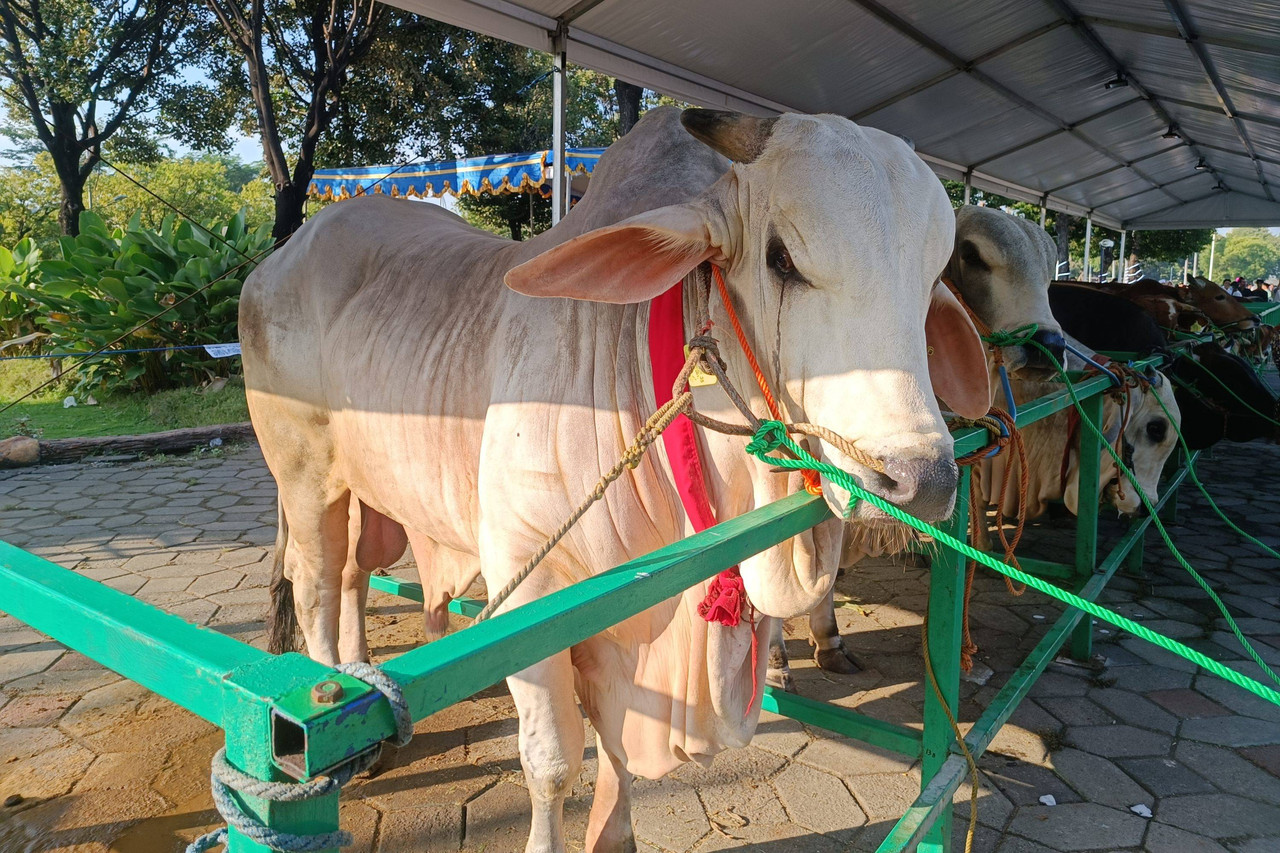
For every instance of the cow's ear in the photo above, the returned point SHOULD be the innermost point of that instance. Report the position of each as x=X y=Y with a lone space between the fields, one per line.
x=633 y=261
x=957 y=358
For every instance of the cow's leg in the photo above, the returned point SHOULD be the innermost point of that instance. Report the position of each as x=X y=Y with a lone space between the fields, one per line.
x=375 y=542
x=828 y=649
x=314 y=561
x=609 y=827
x=551 y=742
x=778 y=673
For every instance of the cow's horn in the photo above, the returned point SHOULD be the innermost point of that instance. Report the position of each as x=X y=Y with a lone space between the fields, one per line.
x=739 y=137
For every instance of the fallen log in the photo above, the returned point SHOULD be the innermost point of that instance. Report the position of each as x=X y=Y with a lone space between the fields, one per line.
x=20 y=451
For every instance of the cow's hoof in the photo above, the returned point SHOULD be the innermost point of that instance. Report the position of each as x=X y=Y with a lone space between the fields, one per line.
x=780 y=679
x=837 y=660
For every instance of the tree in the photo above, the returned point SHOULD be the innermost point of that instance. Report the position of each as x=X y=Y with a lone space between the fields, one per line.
x=209 y=189
x=629 y=97
x=206 y=189
x=80 y=69
x=29 y=202
x=1168 y=246
x=297 y=57
x=1252 y=253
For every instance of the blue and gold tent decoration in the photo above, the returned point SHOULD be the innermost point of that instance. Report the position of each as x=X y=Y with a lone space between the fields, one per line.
x=497 y=173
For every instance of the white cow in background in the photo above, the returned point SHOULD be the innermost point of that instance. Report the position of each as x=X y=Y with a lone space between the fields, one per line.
x=399 y=360
x=1053 y=459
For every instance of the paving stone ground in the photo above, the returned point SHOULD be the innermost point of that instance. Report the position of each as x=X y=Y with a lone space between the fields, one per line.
x=102 y=765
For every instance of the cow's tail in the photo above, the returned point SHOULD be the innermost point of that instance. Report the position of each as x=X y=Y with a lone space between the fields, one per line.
x=282 y=618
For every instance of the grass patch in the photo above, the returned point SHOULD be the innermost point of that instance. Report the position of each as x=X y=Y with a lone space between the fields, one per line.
x=44 y=417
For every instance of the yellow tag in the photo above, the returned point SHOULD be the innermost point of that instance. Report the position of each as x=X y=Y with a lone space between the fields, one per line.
x=699 y=378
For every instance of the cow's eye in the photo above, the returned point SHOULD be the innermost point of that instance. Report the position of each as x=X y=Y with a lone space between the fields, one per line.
x=779 y=260
x=1157 y=430
x=1220 y=297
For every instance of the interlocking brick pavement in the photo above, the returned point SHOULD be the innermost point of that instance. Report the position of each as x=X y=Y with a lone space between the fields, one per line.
x=103 y=765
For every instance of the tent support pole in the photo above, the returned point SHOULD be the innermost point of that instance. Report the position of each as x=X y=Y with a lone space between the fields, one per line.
x=559 y=188
x=1124 y=260
x=1088 y=244
x=968 y=187
x=1213 y=244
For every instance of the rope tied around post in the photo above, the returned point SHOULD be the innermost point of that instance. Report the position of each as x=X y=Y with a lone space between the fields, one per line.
x=1004 y=429
x=227 y=781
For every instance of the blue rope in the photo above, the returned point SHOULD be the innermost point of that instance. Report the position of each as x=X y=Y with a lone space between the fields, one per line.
x=227 y=780
x=106 y=353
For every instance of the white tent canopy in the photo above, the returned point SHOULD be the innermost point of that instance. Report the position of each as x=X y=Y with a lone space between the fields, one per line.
x=1013 y=96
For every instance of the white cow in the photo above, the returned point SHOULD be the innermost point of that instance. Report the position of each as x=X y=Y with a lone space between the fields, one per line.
x=1052 y=445
x=390 y=369
x=1002 y=266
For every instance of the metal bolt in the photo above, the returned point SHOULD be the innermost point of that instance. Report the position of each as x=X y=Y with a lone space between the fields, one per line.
x=326 y=693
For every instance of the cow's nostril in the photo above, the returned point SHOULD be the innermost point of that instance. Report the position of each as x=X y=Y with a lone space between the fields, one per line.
x=1051 y=341
x=922 y=487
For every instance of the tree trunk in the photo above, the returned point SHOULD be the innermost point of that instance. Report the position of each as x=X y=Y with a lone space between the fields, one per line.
x=72 y=202
x=628 y=105
x=1062 y=229
x=289 y=203
x=516 y=233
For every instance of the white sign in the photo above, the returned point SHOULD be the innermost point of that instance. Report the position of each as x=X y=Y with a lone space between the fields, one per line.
x=222 y=350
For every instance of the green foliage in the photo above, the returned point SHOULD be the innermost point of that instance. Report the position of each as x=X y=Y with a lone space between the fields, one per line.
x=206 y=189
x=105 y=282
x=19 y=275
x=1170 y=247
x=29 y=198
x=1249 y=252
x=44 y=416
x=78 y=72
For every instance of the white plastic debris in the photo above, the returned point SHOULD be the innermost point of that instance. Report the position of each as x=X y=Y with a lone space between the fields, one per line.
x=90 y=400
x=1049 y=800
x=215 y=442
x=1036 y=616
x=1140 y=810
x=69 y=402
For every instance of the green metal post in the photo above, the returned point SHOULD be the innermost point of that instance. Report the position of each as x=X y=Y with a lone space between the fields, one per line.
x=935 y=798
x=1089 y=463
x=250 y=747
x=946 y=611
x=1133 y=560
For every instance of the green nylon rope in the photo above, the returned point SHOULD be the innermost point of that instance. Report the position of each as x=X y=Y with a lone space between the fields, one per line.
x=1155 y=520
x=772 y=434
x=1022 y=335
x=1227 y=388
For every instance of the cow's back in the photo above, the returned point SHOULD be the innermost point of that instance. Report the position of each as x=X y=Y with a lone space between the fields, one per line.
x=368 y=341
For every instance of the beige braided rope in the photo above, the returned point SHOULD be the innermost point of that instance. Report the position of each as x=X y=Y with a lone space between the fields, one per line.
x=648 y=434
x=681 y=402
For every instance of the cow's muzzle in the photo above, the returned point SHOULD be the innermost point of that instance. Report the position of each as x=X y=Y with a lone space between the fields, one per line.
x=1051 y=341
x=923 y=487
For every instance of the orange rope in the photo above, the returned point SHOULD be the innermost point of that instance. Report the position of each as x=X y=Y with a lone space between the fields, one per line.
x=977 y=517
x=812 y=481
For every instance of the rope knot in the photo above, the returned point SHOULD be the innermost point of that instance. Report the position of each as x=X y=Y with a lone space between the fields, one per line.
x=769 y=436
x=1012 y=337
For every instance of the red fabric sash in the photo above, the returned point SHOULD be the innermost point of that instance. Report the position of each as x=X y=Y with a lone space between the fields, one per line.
x=666 y=355
x=726 y=597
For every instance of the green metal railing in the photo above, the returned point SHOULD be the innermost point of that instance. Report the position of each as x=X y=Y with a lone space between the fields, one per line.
x=275 y=731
